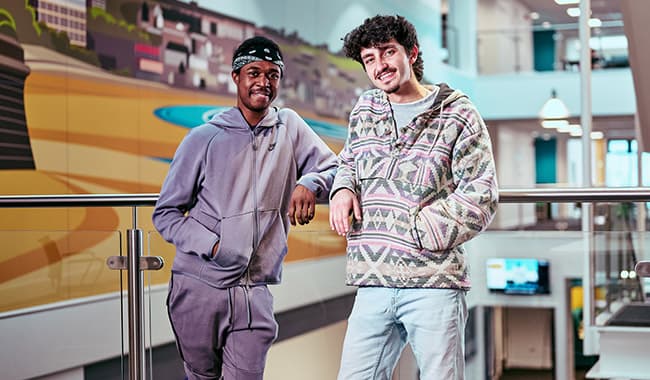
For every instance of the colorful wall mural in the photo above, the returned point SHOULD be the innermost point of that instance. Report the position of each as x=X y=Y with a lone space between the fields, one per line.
x=95 y=97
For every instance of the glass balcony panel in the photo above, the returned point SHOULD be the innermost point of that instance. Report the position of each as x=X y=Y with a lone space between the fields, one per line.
x=57 y=293
x=311 y=304
x=616 y=283
x=40 y=268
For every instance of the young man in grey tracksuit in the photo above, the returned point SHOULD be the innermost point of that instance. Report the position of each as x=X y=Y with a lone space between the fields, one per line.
x=233 y=187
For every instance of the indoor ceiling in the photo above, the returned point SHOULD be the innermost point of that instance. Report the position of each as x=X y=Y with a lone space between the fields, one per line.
x=613 y=126
x=549 y=11
x=610 y=13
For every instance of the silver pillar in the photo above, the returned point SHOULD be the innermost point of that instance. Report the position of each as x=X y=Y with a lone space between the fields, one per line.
x=588 y=276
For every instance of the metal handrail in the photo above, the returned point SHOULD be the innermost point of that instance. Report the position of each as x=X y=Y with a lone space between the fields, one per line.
x=570 y=194
x=134 y=244
x=531 y=195
x=78 y=200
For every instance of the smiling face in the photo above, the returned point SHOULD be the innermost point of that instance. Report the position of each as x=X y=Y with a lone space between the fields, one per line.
x=388 y=66
x=257 y=87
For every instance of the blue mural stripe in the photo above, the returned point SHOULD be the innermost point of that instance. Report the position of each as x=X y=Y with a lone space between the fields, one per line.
x=162 y=159
x=190 y=116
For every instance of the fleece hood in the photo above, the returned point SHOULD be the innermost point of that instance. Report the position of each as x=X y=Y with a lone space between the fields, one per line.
x=446 y=96
x=234 y=119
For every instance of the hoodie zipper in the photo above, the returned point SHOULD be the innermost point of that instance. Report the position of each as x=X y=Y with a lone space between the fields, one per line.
x=392 y=116
x=255 y=210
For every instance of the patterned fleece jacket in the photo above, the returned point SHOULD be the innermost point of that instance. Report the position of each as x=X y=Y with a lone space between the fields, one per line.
x=424 y=190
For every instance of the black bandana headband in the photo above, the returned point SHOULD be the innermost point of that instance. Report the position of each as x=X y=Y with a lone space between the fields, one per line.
x=258 y=49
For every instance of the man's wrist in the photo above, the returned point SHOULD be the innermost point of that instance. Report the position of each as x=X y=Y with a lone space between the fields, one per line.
x=339 y=189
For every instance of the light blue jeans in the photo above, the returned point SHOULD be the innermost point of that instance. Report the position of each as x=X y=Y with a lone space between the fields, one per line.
x=383 y=320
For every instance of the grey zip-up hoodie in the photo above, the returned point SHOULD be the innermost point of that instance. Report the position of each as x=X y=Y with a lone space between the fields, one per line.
x=232 y=184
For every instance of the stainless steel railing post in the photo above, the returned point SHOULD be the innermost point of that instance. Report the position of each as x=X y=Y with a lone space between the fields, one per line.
x=135 y=296
x=136 y=325
x=589 y=296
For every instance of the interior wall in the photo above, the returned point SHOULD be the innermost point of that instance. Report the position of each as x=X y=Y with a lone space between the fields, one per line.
x=315 y=355
x=498 y=341
x=562 y=172
x=525 y=346
x=504 y=37
x=461 y=34
x=515 y=163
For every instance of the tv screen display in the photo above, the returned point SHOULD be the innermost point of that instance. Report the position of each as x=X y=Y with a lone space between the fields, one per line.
x=517 y=276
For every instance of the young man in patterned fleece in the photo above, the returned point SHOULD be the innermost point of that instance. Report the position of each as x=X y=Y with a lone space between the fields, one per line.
x=417 y=175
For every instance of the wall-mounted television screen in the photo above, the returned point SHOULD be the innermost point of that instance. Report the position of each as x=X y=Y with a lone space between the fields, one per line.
x=517 y=276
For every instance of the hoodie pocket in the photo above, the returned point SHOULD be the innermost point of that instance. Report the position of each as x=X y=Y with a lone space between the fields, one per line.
x=266 y=265
x=236 y=244
x=373 y=168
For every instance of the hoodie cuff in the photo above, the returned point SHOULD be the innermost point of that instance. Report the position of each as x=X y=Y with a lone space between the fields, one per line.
x=311 y=186
x=334 y=191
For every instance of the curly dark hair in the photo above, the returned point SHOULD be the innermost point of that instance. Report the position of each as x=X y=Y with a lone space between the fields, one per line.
x=378 y=30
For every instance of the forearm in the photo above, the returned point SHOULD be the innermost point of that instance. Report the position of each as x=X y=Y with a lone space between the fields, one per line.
x=346 y=173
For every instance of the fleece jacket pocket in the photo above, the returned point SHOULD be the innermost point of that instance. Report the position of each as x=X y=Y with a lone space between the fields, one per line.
x=236 y=244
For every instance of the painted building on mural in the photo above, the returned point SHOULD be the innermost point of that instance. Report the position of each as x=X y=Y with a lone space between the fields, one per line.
x=68 y=16
x=16 y=152
x=196 y=44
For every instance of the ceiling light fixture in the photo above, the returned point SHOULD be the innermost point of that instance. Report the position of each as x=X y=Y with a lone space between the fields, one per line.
x=573 y=12
x=560 y=125
x=554 y=108
x=596 y=135
x=595 y=23
x=554 y=114
x=567 y=2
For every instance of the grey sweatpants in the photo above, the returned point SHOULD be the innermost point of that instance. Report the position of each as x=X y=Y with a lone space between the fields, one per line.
x=221 y=333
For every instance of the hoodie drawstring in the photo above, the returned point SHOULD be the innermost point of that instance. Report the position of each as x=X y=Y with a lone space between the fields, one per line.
x=442 y=106
x=275 y=136
x=231 y=307
x=248 y=307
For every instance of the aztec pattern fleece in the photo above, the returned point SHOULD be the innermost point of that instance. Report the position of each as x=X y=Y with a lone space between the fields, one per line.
x=424 y=191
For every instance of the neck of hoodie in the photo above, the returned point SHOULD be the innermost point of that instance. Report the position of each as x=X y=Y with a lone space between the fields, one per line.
x=253 y=118
x=408 y=92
